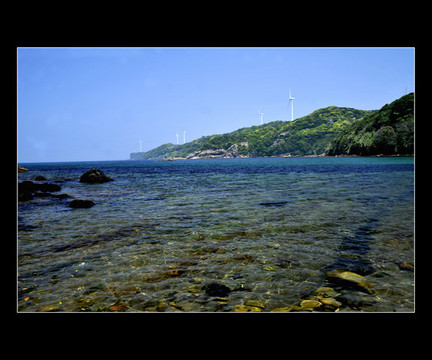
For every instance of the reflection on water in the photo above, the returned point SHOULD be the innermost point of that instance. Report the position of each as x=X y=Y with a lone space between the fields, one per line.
x=262 y=232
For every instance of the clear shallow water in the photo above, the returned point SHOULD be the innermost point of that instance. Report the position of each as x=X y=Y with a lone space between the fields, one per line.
x=163 y=231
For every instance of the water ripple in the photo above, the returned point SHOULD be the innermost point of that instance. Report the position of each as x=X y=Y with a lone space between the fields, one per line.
x=268 y=230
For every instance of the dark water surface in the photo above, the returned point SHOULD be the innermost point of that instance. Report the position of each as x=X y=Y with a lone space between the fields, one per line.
x=165 y=234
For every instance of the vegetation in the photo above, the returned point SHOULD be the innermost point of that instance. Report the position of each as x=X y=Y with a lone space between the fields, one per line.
x=331 y=131
x=308 y=135
x=388 y=131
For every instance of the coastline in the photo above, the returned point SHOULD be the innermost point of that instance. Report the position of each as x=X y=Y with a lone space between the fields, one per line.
x=280 y=156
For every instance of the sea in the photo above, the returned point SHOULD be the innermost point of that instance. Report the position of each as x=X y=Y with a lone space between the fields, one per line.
x=220 y=235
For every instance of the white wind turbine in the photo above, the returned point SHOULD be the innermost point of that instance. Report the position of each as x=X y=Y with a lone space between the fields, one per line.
x=184 y=137
x=260 y=114
x=291 y=100
x=140 y=145
x=177 y=138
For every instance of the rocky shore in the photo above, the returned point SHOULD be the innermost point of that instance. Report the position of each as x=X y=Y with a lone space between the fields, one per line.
x=231 y=152
x=29 y=190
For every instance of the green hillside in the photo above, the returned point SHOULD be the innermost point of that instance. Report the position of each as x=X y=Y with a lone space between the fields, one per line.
x=388 y=131
x=308 y=135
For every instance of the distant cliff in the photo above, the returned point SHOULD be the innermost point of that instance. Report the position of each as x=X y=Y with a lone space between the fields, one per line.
x=308 y=135
x=388 y=131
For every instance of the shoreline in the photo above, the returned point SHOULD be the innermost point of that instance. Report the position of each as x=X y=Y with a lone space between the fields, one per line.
x=276 y=157
x=21 y=163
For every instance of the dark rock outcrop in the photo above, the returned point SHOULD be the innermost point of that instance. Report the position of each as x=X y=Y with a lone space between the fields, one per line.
x=25 y=196
x=46 y=187
x=40 y=178
x=94 y=176
x=215 y=289
x=81 y=204
x=28 y=189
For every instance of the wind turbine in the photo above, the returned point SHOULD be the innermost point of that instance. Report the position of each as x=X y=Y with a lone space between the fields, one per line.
x=140 y=145
x=291 y=99
x=184 y=137
x=177 y=138
x=261 y=114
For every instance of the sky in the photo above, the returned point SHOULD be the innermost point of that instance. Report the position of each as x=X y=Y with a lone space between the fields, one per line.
x=92 y=104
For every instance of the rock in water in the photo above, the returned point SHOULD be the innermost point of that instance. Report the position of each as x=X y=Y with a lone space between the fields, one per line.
x=45 y=187
x=27 y=186
x=94 y=176
x=330 y=303
x=326 y=292
x=350 y=279
x=81 y=204
x=273 y=203
x=310 y=304
x=406 y=266
x=118 y=308
x=215 y=289
x=27 y=189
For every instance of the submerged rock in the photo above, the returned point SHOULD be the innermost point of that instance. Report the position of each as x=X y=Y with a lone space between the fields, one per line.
x=350 y=280
x=330 y=303
x=41 y=194
x=215 y=289
x=255 y=303
x=282 y=309
x=244 y=257
x=309 y=305
x=406 y=266
x=45 y=308
x=24 y=196
x=240 y=308
x=94 y=176
x=79 y=204
x=355 y=299
x=118 y=308
x=40 y=178
x=46 y=187
x=326 y=292
x=274 y=203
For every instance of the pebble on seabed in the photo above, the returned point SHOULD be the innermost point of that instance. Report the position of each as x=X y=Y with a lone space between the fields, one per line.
x=118 y=308
x=310 y=304
x=326 y=292
x=406 y=266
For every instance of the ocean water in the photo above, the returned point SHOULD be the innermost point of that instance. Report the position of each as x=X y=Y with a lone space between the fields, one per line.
x=266 y=231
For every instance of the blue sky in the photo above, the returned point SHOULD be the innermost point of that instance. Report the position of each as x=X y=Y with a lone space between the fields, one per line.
x=79 y=104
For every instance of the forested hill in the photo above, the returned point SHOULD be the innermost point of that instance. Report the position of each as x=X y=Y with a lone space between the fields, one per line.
x=308 y=135
x=388 y=131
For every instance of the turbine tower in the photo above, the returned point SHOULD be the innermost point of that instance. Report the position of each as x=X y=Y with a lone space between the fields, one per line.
x=184 y=137
x=177 y=138
x=261 y=114
x=291 y=99
x=140 y=145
